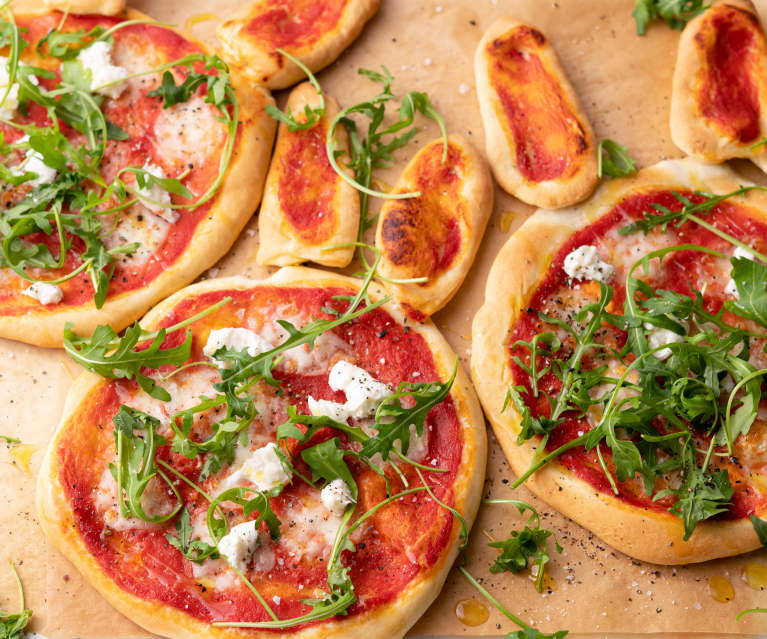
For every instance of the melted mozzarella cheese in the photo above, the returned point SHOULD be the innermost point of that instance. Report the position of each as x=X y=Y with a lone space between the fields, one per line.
x=657 y=337
x=239 y=544
x=154 y=501
x=155 y=198
x=139 y=226
x=11 y=102
x=731 y=288
x=363 y=393
x=188 y=132
x=263 y=468
x=336 y=496
x=308 y=530
x=238 y=339
x=97 y=59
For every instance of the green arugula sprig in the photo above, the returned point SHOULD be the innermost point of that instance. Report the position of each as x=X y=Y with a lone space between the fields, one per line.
x=613 y=160
x=114 y=357
x=523 y=545
x=194 y=550
x=13 y=624
x=675 y=13
x=527 y=631
x=136 y=465
x=312 y=115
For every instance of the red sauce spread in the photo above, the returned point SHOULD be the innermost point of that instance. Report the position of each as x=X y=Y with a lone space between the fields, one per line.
x=137 y=114
x=294 y=24
x=732 y=50
x=682 y=272
x=308 y=186
x=404 y=539
x=537 y=116
x=423 y=234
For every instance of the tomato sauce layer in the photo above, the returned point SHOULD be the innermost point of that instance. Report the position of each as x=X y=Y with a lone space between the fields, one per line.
x=299 y=23
x=308 y=186
x=137 y=114
x=401 y=541
x=683 y=272
x=536 y=115
x=732 y=47
x=423 y=234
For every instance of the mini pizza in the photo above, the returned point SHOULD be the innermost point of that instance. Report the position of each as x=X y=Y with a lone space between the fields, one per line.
x=124 y=176
x=619 y=354
x=719 y=99
x=307 y=206
x=281 y=487
x=436 y=234
x=314 y=31
x=538 y=139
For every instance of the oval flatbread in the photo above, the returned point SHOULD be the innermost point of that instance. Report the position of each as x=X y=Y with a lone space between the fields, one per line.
x=307 y=206
x=314 y=31
x=544 y=276
x=436 y=234
x=146 y=248
x=401 y=553
x=719 y=99
x=539 y=141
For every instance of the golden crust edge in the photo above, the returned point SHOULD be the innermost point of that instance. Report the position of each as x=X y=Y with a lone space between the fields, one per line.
x=655 y=537
x=392 y=619
x=549 y=193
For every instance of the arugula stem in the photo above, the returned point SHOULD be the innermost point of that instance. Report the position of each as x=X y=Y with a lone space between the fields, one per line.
x=731 y=398
x=19 y=587
x=743 y=613
x=464 y=534
x=492 y=599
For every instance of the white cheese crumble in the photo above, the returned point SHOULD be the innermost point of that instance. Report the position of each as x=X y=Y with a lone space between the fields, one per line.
x=97 y=58
x=584 y=263
x=363 y=393
x=239 y=339
x=44 y=293
x=336 y=496
x=657 y=337
x=34 y=163
x=264 y=468
x=239 y=545
x=11 y=103
x=156 y=198
x=731 y=288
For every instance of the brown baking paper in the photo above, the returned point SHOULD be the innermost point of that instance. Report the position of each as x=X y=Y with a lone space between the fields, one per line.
x=624 y=82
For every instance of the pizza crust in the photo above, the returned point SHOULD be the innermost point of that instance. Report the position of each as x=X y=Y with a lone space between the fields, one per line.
x=411 y=234
x=654 y=536
x=389 y=620
x=259 y=62
x=101 y=7
x=691 y=131
x=501 y=147
x=279 y=242
x=236 y=200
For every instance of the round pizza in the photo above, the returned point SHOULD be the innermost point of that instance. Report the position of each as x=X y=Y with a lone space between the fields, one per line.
x=619 y=355
x=130 y=165
x=293 y=456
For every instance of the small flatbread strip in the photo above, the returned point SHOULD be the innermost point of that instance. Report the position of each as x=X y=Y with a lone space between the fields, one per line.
x=307 y=205
x=539 y=141
x=101 y=7
x=719 y=99
x=314 y=31
x=435 y=235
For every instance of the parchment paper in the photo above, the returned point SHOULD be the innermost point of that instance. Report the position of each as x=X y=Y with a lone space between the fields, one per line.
x=624 y=82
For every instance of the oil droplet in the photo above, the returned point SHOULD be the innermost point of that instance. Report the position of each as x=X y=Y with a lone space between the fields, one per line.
x=720 y=589
x=197 y=18
x=507 y=217
x=755 y=575
x=22 y=454
x=471 y=612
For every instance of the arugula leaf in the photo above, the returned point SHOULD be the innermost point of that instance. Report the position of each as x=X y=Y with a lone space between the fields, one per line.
x=760 y=528
x=136 y=465
x=312 y=115
x=750 y=280
x=13 y=624
x=393 y=418
x=326 y=461
x=675 y=13
x=534 y=633
x=217 y=523
x=523 y=545
x=195 y=550
x=10 y=440
x=66 y=45
x=614 y=160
